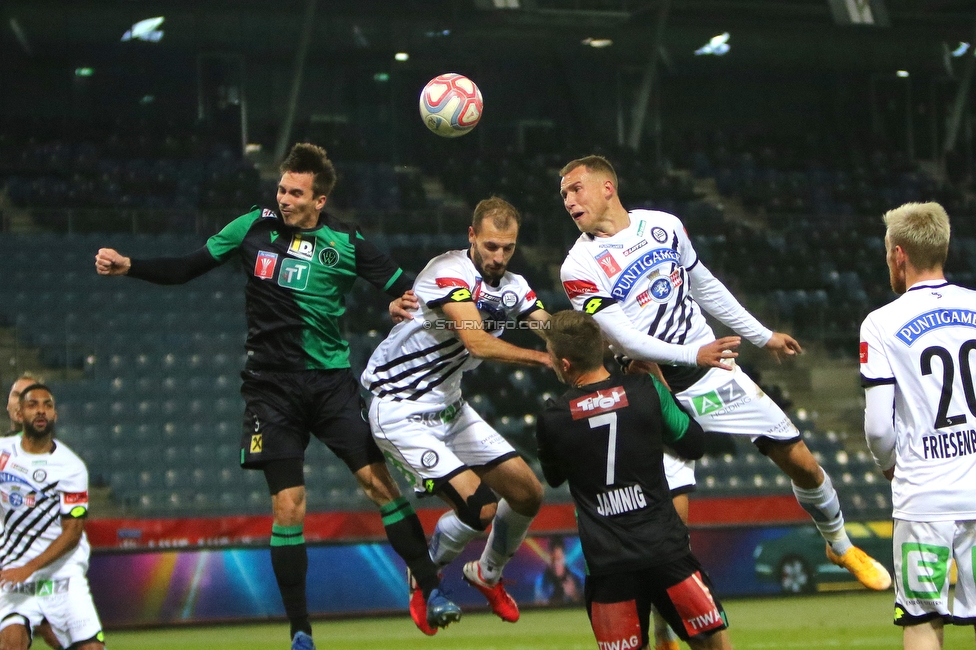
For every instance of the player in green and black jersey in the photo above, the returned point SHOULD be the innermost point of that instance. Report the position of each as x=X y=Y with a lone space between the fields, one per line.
x=606 y=436
x=300 y=263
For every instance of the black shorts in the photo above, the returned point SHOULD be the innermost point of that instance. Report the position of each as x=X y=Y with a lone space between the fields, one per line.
x=283 y=409
x=619 y=604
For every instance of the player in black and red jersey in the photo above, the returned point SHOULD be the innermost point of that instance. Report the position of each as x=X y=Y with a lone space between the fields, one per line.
x=606 y=436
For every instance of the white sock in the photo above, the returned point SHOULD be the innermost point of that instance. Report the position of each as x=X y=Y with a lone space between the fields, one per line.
x=450 y=537
x=822 y=504
x=508 y=529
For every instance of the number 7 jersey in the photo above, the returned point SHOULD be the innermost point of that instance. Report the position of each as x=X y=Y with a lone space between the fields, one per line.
x=923 y=343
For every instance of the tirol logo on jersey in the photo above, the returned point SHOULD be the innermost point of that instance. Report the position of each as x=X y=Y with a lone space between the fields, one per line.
x=576 y=288
x=659 y=234
x=660 y=288
x=294 y=274
x=264 y=265
x=933 y=320
x=301 y=247
x=598 y=402
x=608 y=264
x=328 y=256
x=721 y=400
x=643 y=264
x=863 y=356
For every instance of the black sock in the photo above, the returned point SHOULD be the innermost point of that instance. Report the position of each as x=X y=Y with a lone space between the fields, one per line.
x=407 y=538
x=289 y=559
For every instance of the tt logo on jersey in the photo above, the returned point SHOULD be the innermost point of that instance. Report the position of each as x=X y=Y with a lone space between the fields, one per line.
x=301 y=248
x=598 y=402
x=294 y=274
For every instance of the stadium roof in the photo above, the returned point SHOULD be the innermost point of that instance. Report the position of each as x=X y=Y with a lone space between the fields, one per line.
x=788 y=33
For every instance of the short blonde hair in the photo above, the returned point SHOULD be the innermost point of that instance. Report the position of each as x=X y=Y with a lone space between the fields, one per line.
x=594 y=163
x=922 y=231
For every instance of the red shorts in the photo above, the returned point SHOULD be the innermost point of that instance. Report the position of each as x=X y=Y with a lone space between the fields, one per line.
x=619 y=604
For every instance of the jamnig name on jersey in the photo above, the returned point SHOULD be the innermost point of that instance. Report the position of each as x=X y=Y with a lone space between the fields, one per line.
x=623 y=499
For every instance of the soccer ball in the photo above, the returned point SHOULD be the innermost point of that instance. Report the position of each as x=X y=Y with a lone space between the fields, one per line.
x=450 y=105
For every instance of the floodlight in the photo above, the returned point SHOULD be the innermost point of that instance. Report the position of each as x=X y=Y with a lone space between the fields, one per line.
x=145 y=30
x=401 y=56
x=597 y=42
x=961 y=49
x=902 y=73
x=717 y=45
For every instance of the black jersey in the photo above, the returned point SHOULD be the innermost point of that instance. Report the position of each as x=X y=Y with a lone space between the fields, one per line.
x=297 y=280
x=607 y=439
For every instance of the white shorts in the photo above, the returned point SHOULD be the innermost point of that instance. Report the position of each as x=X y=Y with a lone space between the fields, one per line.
x=66 y=603
x=426 y=443
x=728 y=401
x=922 y=551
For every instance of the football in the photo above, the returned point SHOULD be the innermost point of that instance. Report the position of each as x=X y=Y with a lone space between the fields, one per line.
x=450 y=105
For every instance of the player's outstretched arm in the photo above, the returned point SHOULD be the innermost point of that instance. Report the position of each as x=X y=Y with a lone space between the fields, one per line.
x=783 y=344
x=160 y=270
x=108 y=261
x=717 y=300
x=630 y=341
x=467 y=322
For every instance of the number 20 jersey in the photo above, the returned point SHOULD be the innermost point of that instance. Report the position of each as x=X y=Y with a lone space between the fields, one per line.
x=923 y=343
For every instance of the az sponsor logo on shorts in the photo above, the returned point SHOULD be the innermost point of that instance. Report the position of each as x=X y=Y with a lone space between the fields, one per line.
x=720 y=401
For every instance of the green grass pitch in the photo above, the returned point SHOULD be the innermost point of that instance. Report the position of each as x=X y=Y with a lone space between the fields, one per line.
x=855 y=620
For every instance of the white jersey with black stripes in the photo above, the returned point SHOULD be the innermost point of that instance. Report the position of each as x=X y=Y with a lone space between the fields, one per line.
x=423 y=359
x=650 y=271
x=36 y=491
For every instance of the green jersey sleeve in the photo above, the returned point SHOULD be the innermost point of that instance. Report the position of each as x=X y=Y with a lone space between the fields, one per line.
x=675 y=420
x=226 y=242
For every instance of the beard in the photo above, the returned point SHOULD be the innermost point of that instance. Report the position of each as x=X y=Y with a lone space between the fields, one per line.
x=36 y=434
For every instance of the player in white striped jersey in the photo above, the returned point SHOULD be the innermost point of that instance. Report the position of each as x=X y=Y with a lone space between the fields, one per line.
x=920 y=422
x=420 y=420
x=639 y=276
x=43 y=549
